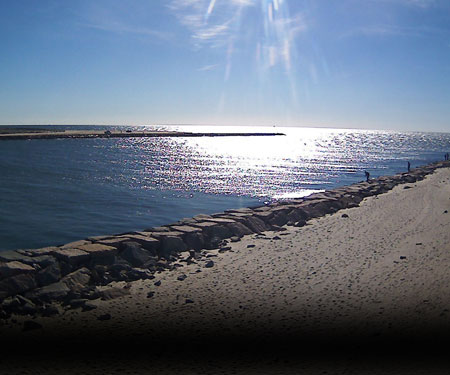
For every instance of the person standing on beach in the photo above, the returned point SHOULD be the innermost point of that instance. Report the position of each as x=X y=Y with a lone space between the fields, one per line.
x=409 y=166
x=367 y=175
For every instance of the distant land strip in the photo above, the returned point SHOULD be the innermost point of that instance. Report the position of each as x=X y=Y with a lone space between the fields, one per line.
x=118 y=134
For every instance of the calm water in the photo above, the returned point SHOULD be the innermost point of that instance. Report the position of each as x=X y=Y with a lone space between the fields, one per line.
x=56 y=191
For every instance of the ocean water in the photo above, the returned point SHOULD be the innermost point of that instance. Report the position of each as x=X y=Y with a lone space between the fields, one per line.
x=56 y=191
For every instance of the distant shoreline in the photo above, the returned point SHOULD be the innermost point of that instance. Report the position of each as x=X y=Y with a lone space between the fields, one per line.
x=28 y=134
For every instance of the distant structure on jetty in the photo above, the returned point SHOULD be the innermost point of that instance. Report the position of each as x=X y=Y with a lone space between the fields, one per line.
x=118 y=134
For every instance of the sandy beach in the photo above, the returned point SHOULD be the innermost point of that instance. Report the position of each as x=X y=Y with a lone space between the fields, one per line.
x=363 y=290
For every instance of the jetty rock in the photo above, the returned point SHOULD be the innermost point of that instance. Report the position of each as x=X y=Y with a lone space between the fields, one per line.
x=34 y=281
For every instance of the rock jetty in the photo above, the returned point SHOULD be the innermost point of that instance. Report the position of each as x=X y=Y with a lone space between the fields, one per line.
x=48 y=280
x=75 y=134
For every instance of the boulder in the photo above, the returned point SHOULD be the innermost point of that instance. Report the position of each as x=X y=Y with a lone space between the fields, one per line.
x=279 y=218
x=14 y=268
x=98 y=250
x=238 y=229
x=73 y=257
x=295 y=215
x=9 y=256
x=186 y=229
x=255 y=224
x=49 y=275
x=114 y=241
x=75 y=244
x=77 y=280
x=171 y=245
x=140 y=274
x=41 y=261
x=220 y=220
x=133 y=253
x=39 y=252
x=202 y=217
x=194 y=240
x=146 y=241
x=48 y=293
x=113 y=293
x=51 y=310
x=264 y=215
x=17 y=284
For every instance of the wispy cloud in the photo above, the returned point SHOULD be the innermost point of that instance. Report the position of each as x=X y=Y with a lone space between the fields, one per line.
x=411 y=3
x=208 y=67
x=382 y=30
x=210 y=22
x=120 y=28
x=217 y=23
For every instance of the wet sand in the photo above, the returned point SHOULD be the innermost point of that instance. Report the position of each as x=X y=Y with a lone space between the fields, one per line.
x=365 y=290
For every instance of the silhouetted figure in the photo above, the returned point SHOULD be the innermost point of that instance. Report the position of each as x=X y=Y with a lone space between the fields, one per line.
x=446 y=156
x=367 y=175
x=409 y=166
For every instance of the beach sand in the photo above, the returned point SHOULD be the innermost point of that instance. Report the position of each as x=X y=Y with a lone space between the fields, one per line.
x=365 y=290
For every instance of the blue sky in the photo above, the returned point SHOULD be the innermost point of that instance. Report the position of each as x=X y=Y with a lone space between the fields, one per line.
x=382 y=64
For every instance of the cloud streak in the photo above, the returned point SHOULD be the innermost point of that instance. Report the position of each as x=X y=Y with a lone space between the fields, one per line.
x=218 y=23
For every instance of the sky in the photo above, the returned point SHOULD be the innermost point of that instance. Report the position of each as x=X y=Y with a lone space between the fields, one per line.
x=375 y=64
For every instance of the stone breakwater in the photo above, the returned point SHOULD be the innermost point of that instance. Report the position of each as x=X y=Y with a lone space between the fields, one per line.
x=76 y=134
x=48 y=280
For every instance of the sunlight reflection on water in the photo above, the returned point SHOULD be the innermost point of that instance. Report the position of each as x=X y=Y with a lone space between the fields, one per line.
x=302 y=160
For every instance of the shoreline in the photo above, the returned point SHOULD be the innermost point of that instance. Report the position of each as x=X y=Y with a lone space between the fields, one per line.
x=366 y=269
x=93 y=134
x=45 y=275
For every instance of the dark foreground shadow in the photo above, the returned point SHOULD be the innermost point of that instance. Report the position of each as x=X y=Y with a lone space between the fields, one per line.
x=267 y=350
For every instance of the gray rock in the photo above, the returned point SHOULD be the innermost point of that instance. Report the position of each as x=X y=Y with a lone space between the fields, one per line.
x=51 y=310
x=209 y=264
x=17 y=284
x=48 y=293
x=9 y=256
x=41 y=260
x=14 y=268
x=185 y=228
x=279 y=218
x=39 y=252
x=202 y=217
x=181 y=277
x=113 y=293
x=72 y=256
x=134 y=254
x=96 y=250
x=148 y=243
x=217 y=232
x=255 y=224
x=140 y=274
x=75 y=244
x=194 y=240
x=300 y=223
x=77 y=280
x=171 y=245
x=238 y=229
